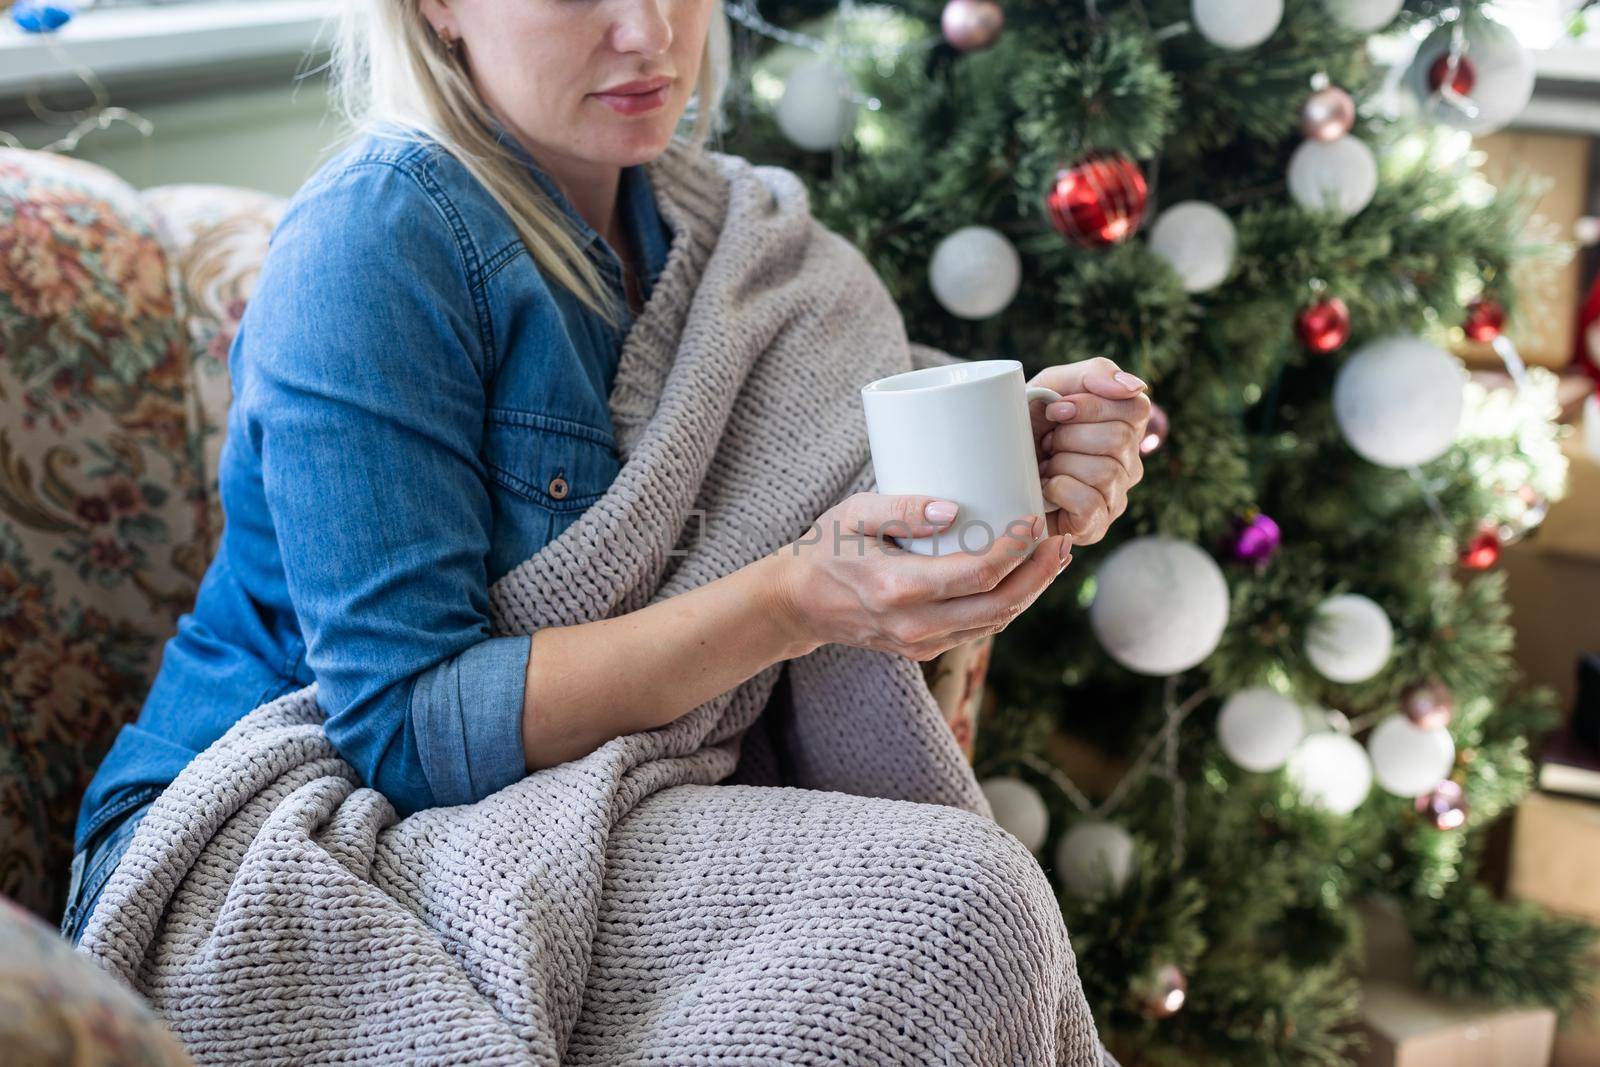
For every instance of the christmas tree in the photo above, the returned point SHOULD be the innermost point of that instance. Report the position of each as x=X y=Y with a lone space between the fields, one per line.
x=1289 y=660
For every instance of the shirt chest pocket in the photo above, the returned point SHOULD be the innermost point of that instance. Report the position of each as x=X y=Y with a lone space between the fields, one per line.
x=543 y=472
x=558 y=464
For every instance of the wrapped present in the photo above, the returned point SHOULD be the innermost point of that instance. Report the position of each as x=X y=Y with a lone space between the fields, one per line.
x=1406 y=1026
x=956 y=677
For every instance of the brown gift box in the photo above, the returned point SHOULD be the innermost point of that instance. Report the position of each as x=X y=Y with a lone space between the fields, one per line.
x=1544 y=328
x=1555 y=855
x=1555 y=861
x=1407 y=1027
x=1553 y=581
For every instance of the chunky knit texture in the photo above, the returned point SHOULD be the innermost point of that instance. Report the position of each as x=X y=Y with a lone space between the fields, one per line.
x=804 y=873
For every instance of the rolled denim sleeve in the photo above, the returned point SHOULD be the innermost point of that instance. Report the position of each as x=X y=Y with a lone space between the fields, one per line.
x=360 y=377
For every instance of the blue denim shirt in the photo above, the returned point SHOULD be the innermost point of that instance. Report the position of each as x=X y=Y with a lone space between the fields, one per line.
x=407 y=389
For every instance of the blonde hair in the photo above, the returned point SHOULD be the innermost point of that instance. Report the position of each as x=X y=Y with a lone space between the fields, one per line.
x=387 y=65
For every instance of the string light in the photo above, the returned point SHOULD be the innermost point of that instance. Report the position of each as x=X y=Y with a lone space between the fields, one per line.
x=98 y=116
x=746 y=14
x=1164 y=742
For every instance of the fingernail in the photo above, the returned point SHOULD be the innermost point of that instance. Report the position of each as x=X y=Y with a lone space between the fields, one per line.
x=1063 y=410
x=1039 y=528
x=939 y=511
x=1066 y=549
x=1128 y=380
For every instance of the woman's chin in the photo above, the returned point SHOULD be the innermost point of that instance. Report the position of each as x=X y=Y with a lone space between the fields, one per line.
x=638 y=141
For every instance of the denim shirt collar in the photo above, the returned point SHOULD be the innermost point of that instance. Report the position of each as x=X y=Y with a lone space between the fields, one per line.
x=639 y=213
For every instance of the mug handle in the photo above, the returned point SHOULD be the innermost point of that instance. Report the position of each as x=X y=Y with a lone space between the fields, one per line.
x=1049 y=396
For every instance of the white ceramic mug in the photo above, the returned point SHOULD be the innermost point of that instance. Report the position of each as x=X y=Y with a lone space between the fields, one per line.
x=960 y=432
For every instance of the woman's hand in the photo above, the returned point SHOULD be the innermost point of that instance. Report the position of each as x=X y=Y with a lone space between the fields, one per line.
x=1088 y=444
x=845 y=582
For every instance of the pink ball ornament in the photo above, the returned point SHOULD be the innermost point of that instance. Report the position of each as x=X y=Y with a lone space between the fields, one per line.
x=1430 y=704
x=972 y=25
x=1155 y=431
x=1160 y=992
x=1445 y=807
x=1327 y=114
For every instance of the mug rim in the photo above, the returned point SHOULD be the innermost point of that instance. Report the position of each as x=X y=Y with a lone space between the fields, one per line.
x=985 y=370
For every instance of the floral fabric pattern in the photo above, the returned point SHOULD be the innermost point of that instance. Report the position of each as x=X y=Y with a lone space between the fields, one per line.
x=955 y=677
x=57 y=1007
x=109 y=404
x=216 y=237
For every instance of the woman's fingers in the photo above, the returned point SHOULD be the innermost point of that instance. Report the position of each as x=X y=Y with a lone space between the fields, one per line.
x=991 y=610
x=879 y=515
x=988 y=556
x=1087 y=407
x=1119 y=440
x=929 y=649
x=1102 y=473
x=1086 y=512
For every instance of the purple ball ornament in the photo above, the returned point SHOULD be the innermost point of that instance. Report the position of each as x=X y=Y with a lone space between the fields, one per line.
x=972 y=25
x=1446 y=806
x=1256 y=539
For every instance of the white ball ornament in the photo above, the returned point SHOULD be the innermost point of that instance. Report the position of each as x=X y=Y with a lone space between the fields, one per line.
x=1502 y=77
x=1236 y=24
x=1338 y=177
x=818 y=107
x=1095 y=858
x=1398 y=401
x=1019 y=809
x=1365 y=16
x=1330 y=770
x=1260 y=728
x=1160 y=605
x=1407 y=760
x=975 y=272
x=1198 y=240
x=1350 y=640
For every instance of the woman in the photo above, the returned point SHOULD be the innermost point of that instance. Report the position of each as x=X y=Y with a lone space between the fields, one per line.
x=420 y=403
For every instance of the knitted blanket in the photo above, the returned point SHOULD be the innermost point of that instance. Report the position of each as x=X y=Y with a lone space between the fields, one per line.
x=801 y=870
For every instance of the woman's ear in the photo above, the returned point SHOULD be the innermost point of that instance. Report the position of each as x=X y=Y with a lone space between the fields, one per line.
x=439 y=18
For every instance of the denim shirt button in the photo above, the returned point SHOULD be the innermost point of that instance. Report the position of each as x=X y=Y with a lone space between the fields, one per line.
x=557 y=487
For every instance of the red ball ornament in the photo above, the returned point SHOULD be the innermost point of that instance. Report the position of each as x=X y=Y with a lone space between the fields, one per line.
x=1483 y=551
x=1429 y=704
x=1099 y=200
x=1323 y=327
x=1485 y=320
x=1466 y=75
x=972 y=25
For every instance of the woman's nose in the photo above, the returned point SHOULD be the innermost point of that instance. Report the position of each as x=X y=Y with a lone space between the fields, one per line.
x=643 y=27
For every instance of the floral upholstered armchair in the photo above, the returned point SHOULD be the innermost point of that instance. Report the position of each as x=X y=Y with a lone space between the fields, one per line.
x=117 y=311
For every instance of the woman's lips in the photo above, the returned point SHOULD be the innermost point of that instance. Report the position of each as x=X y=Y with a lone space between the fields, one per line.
x=634 y=103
